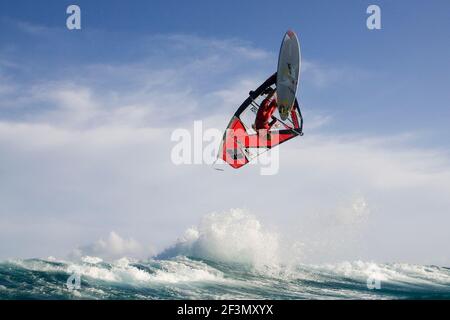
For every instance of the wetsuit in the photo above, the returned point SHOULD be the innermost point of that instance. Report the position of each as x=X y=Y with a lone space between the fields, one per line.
x=264 y=114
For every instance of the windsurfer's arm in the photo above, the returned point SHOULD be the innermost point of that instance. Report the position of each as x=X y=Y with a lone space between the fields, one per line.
x=270 y=95
x=272 y=108
x=272 y=122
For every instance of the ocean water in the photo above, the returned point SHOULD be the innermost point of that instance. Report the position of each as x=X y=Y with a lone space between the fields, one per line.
x=228 y=256
x=191 y=278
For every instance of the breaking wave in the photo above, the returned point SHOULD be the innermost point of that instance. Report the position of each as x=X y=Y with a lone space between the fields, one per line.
x=188 y=278
x=228 y=256
x=231 y=237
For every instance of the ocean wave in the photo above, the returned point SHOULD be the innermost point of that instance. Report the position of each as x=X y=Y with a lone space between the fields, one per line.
x=190 y=278
x=228 y=256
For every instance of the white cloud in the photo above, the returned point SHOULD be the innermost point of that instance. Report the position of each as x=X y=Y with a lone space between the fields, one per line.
x=316 y=120
x=93 y=155
x=31 y=28
x=322 y=76
x=146 y=92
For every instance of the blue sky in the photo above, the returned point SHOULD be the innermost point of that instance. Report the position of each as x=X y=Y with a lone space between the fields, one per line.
x=400 y=73
x=86 y=116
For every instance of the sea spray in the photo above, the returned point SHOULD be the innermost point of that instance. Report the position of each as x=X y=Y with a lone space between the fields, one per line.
x=229 y=255
x=232 y=237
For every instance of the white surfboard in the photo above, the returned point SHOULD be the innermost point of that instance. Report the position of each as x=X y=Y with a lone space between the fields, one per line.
x=288 y=73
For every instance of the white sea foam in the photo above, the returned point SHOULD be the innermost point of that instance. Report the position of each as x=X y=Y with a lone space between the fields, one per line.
x=233 y=237
x=124 y=271
x=184 y=270
x=112 y=247
x=92 y=260
x=397 y=273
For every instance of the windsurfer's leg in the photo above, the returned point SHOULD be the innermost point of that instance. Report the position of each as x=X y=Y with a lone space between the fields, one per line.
x=266 y=131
